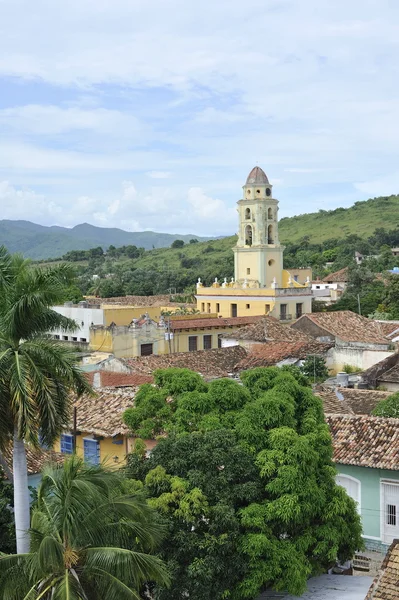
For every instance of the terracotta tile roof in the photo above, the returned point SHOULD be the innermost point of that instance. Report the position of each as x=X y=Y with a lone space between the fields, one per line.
x=332 y=403
x=347 y=325
x=111 y=379
x=365 y=441
x=338 y=276
x=359 y=402
x=386 y=584
x=36 y=458
x=102 y=414
x=207 y=322
x=266 y=329
x=389 y=327
x=391 y=376
x=160 y=300
x=210 y=363
x=271 y=353
x=372 y=375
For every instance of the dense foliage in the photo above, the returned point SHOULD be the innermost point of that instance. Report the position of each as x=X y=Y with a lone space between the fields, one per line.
x=90 y=540
x=7 y=527
x=388 y=407
x=131 y=270
x=244 y=482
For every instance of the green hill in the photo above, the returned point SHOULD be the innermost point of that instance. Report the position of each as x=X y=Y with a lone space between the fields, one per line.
x=362 y=219
x=39 y=242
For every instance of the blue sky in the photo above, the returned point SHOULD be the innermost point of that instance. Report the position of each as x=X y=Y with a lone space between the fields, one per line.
x=149 y=114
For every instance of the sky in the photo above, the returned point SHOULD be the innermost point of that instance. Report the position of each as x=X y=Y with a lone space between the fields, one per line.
x=149 y=114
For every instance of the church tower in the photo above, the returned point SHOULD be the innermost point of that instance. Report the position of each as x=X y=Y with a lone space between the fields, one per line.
x=258 y=255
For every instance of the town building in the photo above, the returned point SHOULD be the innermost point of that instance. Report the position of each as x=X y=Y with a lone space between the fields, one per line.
x=366 y=454
x=386 y=584
x=176 y=333
x=330 y=289
x=358 y=341
x=384 y=374
x=260 y=284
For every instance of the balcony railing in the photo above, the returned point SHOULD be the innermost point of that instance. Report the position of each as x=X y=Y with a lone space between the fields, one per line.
x=298 y=314
x=304 y=291
x=285 y=317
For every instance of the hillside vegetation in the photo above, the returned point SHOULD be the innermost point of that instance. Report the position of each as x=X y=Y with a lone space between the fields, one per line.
x=39 y=242
x=361 y=219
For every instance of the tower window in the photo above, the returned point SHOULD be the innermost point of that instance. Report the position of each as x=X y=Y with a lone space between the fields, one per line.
x=247 y=306
x=270 y=234
x=247 y=213
x=217 y=307
x=267 y=308
x=270 y=214
x=268 y=191
x=248 y=235
x=248 y=271
x=258 y=191
x=248 y=192
x=270 y=262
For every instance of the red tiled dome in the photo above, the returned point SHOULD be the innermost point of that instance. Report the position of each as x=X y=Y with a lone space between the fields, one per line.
x=257 y=175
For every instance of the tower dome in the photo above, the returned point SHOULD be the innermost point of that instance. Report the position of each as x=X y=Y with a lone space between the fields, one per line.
x=257 y=175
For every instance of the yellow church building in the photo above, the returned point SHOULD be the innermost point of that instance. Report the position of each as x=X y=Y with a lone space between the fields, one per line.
x=260 y=284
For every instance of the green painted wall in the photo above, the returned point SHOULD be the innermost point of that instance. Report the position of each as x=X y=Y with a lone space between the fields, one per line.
x=370 y=494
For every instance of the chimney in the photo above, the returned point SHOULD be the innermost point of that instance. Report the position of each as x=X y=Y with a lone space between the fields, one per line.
x=97 y=380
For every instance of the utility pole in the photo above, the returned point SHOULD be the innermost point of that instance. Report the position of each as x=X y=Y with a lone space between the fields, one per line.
x=358 y=303
x=169 y=341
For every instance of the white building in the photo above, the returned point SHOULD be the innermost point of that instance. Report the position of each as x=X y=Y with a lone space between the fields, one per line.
x=84 y=316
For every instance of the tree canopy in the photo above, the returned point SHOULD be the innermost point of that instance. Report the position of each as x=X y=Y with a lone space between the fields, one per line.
x=388 y=407
x=244 y=482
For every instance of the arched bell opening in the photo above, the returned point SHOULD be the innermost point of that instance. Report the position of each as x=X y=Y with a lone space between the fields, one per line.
x=270 y=235
x=248 y=235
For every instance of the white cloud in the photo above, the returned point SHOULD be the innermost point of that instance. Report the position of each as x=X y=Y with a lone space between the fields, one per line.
x=191 y=96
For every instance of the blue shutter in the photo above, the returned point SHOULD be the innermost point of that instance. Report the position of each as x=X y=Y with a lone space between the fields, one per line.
x=66 y=443
x=91 y=450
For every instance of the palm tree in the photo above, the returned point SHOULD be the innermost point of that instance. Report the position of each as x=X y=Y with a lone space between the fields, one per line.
x=37 y=374
x=89 y=540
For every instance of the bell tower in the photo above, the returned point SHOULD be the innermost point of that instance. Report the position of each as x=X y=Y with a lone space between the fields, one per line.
x=258 y=255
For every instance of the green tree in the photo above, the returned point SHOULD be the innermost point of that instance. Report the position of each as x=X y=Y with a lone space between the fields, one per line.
x=314 y=368
x=177 y=244
x=7 y=526
x=37 y=374
x=193 y=241
x=89 y=540
x=245 y=483
x=388 y=407
x=391 y=299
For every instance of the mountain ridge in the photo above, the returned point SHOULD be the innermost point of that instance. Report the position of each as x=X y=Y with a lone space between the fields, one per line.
x=41 y=242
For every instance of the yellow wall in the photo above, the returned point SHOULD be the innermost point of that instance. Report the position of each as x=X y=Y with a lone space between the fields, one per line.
x=109 y=451
x=250 y=302
x=125 y=344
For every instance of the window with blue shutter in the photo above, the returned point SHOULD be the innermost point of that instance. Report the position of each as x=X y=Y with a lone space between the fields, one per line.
x=91 y=450
x=66 y=443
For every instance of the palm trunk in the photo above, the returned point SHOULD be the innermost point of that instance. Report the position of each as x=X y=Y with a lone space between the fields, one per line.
x=21 y=496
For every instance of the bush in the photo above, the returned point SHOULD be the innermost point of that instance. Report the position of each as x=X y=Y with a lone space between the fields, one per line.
x=388 y=407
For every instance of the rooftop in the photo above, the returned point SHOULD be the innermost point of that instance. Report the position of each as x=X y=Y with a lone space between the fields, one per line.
x=257 y=175
x=102 y=414
x=137 y=301
x=346 y=325
x=209 y=363
x=36 y=458
x=386 y=585
x=365 y=441
x=207 y=322
x=350 y=400
x=266 y=329
x=338 y=276
x=271 y=353
x=381 y=369
x=113 y=380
